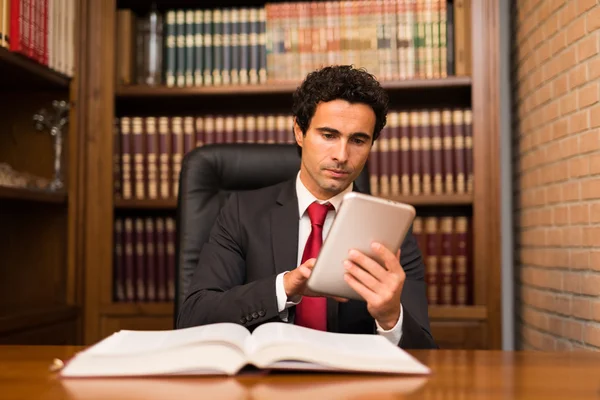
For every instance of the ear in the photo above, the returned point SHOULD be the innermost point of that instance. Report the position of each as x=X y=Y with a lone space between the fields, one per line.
x=298 y=133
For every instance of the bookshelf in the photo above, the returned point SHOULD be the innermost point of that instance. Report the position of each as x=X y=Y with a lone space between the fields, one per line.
x=476 y=325
x=19 y=72
x=39 y=301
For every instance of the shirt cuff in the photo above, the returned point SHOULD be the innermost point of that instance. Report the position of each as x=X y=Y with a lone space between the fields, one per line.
x=283 y=303
x=395 y=334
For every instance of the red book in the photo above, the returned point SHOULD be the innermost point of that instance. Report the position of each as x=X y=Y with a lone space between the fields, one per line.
x=20 y=26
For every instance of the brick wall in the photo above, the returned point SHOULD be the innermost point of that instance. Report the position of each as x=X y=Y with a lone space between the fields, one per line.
x=556 y=136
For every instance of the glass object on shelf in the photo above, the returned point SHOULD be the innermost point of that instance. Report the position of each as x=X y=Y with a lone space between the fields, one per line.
x=54 y=121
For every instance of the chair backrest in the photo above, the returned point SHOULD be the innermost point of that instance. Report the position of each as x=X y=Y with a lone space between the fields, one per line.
x=208 y=175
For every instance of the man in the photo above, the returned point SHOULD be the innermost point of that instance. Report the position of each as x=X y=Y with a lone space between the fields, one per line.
x=247 y=270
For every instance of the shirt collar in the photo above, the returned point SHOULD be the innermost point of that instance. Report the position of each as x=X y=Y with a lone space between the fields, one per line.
x=306 y=198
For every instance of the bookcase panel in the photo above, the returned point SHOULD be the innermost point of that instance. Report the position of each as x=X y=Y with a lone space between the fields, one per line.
x=110 y=325
x=466 y=326
x=459 y=335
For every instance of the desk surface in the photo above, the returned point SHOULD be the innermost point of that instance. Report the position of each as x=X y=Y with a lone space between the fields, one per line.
x=24 y=374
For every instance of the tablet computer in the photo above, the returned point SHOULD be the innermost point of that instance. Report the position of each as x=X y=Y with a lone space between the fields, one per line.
x=361 y=220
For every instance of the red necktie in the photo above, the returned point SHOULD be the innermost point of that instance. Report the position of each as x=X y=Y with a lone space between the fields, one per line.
x=311 y=312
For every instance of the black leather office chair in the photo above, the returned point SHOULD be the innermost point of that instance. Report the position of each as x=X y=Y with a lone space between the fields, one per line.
x=208 y=175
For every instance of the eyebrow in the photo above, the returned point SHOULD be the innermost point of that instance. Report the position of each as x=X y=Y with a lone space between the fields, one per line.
x=361 y=135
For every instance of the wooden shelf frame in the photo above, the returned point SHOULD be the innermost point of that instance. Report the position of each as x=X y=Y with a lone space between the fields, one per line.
x=425 y=200
x=275 y=88
x=24 y=194
x=166 y=309
x=19 y=71
x=18 y=320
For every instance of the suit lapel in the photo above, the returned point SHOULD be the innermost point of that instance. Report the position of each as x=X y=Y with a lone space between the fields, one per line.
x=284 y=228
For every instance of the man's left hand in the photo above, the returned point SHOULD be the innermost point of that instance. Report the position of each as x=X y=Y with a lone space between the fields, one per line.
x=379 y=284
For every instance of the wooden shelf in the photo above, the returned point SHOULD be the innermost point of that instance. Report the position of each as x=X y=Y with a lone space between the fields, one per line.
x=16 y=320
x=433 y=200
x=32 y=195
x=19 y=72
x=272 y=89
x=166 y=309
x=150 y=204
x=457 y=313
x=171 y=204
x=137 y=309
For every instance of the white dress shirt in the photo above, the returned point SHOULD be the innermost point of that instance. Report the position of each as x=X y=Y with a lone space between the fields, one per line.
x=305 y=198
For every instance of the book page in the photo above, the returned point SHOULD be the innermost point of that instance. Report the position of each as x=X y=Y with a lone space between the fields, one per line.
x=127 y=342
x=275 y=342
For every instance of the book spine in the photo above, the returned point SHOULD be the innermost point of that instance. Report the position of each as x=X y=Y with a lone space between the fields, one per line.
x=462 y=292
x=436 y=152
x=119 y=264
x=209 y=129
x=450 y=39
x=199 y=127
x=240 y=129
x=180 y=40
x=253 y=46
x=235 y=46
x=140 y=260
x=155 y=48
x=129 y=261
x=150 y=261
x=448 y=145
x=431 y=261
x=226 y=42
x=468 y=130
x=250 y=124
x=171 y=48
x=282 y=129
x=118 y=182
x=446 y=267
x=189 y=134
x=177 y=153
x=217 y=47
x=208 y=48
x=161 y=261
x=126 y=157
x=384 y=161
x=152 y=157
x=261 y=129
x=405 y=154
x=219 y=129
x=170 y=229
x=415 y=148
x=395 y=170
x=138 y=157
x=262 y=46
x=443 y=40
x=460 y=20
x=190 y=47
x=459 y=146
x=229 y=129
x=271 y=130
x=426 y=158
x=244 y=41
x=199 y=46
x=164 y=156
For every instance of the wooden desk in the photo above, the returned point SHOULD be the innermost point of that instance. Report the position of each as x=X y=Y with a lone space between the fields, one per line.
x=457 y=374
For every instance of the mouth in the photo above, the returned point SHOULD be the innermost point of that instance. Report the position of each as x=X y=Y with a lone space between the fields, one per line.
x=338 y=173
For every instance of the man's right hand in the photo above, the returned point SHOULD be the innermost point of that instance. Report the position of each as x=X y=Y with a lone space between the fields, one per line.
x=294 y=282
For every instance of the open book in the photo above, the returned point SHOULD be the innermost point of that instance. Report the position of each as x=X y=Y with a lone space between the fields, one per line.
x=226 y=348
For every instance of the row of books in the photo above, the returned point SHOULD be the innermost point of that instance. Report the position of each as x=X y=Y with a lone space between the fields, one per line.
x=418 y=153
x=445 y=243
x=282 y=42
x=43 y=30
x=144 y=259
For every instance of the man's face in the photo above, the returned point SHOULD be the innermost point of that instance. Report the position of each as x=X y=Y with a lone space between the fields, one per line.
x=335 y=147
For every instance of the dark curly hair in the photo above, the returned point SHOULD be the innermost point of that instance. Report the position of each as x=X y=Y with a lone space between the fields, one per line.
x=342 y=82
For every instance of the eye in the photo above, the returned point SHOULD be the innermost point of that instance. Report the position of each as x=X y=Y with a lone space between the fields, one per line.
x=358 y=140
x=328 y=135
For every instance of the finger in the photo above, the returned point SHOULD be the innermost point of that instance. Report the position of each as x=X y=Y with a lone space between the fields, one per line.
x=398 y=254
x=377 y=270
x=340 y=299
x=359 y=288
x=362 y=276
x=391 y=262
x=305 y=271
x=310 y=263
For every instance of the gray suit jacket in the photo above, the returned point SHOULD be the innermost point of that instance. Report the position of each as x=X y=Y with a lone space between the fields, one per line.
x=255 y=238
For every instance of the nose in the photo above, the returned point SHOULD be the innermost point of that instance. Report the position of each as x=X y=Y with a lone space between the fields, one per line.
x=341 y=152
